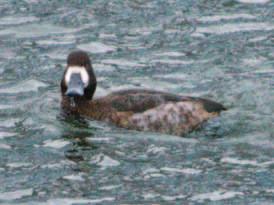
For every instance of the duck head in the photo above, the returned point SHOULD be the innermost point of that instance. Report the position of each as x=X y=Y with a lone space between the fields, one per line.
x=78 y=80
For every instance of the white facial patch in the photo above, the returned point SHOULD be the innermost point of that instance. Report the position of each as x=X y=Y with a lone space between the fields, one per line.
x=77 y=70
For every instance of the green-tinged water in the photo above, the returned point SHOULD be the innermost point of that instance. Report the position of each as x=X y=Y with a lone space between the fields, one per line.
x=221 y=50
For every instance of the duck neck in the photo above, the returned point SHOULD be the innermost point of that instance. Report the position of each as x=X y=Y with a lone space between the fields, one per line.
x=90 y=108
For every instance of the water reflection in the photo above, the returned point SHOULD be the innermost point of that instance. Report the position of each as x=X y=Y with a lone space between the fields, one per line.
x=77 y=136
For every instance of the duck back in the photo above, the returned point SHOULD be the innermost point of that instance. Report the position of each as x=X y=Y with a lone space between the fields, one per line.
x=157 y=111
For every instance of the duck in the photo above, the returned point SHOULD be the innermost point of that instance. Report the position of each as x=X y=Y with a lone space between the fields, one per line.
x=133 y=109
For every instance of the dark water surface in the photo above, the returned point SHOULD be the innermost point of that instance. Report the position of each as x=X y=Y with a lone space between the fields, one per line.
x=222 y=50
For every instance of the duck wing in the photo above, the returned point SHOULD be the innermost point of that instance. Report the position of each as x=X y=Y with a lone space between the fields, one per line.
x=176 y=118
x=140 y=100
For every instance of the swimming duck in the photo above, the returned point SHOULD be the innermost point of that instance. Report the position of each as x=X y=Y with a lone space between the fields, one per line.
x=137 y=109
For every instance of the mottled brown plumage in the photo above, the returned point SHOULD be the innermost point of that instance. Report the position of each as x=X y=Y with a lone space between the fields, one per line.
x=143 y=110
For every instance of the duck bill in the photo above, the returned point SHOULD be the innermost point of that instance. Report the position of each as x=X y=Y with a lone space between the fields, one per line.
x=75 y=86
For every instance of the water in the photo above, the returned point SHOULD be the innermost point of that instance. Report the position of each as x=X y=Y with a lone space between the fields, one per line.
x=221 y=50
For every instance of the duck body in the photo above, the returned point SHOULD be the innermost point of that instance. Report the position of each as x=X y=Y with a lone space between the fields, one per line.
x=137 y=109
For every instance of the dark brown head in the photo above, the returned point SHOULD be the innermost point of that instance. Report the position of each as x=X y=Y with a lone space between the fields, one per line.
x=78 y=79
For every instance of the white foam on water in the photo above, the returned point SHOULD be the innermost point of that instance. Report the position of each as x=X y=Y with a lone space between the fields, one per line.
x=254 y=61
x=216 y=195
x=57 y=144
x=107 y=36
x=70 y=201
x=270 y=190
x=231 y=160
x=97 y=47
x=15 y=165
x=225 y=17
x=24 y=86
x=52 y=42
x=4 y=107
x=154 y=175
x=57 y=165
x=4 y=146
x=134 y=46
x=17 y=20
x=151 y=170
x=197 y=35
x=173 y=198
x=78 y=177
x=170 y=54
x=98 y=139
x=142 y=31
x=11 y=122
x=262 y=71
x=234 y=27
x=209 y=161
x=37 y=30
x=9 y=106
x=12 y=195
x=150 y=195
x=257 y=39
x=110 y=187
x=156 y=150
x=7 y=53
x=174 y=76
x=182 y=171
x=104 y=161
x=267 y=163
x=7 y=134
x=253 y=1
x=33 y=1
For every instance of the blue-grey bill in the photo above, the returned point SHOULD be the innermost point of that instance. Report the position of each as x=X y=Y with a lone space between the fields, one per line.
x=75 y=86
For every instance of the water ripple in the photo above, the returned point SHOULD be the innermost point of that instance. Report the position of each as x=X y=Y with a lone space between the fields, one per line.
x=182 y=171
x=38 y=30
x=97 y=47
x=57 y=144
x=216 y=196
x=71 y=201
x=104 y=161
x=25 y=86
x=8 y=196
x=234 y=27
x=222 y=50
x=254 y=1
x=214 y=18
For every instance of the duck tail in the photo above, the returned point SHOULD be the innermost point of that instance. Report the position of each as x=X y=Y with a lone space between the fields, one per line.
x=212 y=106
